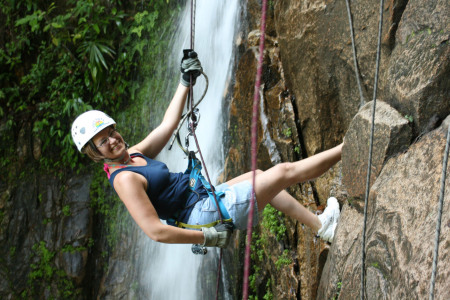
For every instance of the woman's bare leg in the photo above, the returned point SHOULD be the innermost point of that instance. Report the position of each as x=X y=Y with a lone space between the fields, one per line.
x=285 y=203
x=270 y=185
x=288 y=205
x=271 y=182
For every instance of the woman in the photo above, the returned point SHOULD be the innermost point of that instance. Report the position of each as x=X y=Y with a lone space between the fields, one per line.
x=151 y=193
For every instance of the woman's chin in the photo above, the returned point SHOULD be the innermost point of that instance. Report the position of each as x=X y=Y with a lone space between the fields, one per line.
x=119 y=150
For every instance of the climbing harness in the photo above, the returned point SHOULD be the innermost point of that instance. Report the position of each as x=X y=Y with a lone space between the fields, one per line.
x=194 y=170
x=253 y=149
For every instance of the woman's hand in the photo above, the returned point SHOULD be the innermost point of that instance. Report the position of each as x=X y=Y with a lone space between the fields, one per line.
x=219 y=235
x=190 y=67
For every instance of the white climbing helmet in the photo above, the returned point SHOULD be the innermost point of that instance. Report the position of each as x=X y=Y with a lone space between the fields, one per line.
x=87 y=125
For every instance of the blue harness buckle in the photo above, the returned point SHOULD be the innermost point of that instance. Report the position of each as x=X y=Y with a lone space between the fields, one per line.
x=194 y=170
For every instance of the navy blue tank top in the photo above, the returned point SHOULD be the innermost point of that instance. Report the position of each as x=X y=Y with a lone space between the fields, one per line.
x=168 y=192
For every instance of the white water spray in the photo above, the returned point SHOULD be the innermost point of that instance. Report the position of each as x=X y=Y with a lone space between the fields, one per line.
x=172 y=271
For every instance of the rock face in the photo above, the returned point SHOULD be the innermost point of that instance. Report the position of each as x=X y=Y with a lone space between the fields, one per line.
x=308 y=62
x=416 y=80
x=45 y=240
x=402 y=215
x=392 y=134
x=309 y=100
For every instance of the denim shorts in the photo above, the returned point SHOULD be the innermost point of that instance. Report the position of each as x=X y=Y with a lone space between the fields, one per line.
x=237 y=201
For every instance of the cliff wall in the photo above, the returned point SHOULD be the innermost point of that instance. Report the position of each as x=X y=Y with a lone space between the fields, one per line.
x=310 y=102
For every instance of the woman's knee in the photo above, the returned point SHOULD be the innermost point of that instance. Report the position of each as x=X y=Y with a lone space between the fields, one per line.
x=284 y=170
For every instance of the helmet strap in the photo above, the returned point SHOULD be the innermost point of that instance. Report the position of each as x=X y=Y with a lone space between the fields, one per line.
x=108 y=160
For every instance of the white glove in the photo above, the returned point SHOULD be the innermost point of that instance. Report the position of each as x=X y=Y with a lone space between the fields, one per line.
x=218 y=236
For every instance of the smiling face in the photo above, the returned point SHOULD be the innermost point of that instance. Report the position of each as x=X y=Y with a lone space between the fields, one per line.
x=109 y=143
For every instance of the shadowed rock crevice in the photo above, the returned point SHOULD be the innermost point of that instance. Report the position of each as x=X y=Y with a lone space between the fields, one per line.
x=396 y=9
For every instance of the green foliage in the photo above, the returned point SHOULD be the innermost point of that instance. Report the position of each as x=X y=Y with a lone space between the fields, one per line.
x=113 y=212
x=72 y=249
x=46 y=221
x=66 y=210
x=268 y=295
x=283 y=260
x=43 y=269
x=287 y=132
x=45 y=274
x=59 y=59
x=338 y=290
x=273 y=221
x=12 y=251
x=257 y=255
x=409 y=118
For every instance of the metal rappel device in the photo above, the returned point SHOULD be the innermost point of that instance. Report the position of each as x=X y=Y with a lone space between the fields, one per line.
x=199 y=249
x=192 y=125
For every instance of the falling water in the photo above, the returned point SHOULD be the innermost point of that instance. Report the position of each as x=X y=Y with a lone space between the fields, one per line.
x=172 y=271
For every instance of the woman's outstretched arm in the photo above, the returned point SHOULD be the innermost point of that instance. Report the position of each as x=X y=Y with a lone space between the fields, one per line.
x=160 y=136
x=131 y=189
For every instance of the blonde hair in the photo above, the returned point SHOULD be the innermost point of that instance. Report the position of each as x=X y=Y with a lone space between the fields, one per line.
x=92 y=152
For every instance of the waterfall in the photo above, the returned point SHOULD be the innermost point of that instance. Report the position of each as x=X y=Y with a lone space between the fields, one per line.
x=173 y=271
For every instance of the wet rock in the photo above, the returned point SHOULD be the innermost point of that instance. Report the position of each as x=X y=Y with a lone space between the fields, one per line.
x=392 y=135
x=74 y=263
x=401 y=224
x=119 y=272
x=76 y=212
x=76 y=226
x=37 y=144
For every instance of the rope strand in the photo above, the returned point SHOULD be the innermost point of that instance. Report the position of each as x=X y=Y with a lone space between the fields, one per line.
x=369 y=165
x=191 y=103
x=355 y=60
x=193 y=4
x=254 y=141
x=439 y=217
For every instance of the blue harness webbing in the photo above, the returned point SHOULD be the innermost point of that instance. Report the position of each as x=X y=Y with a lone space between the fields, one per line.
x=194 y=170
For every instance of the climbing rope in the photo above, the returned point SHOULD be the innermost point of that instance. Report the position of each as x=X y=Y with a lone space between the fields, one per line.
x=253 y=149
x=187 y=115
x=439 y=217
x=193 y=6
x=369 y=165
x=355 y=60
x=191 y=114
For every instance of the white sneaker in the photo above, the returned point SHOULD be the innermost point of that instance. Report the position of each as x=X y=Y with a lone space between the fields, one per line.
x=329 y=219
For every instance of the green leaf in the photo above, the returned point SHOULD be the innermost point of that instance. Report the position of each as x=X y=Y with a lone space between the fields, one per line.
x=137 y=30
x=57 y=25
x=96 y=28
x=55 y=41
